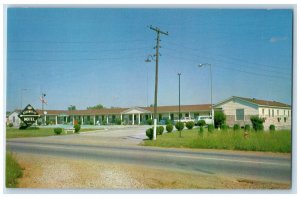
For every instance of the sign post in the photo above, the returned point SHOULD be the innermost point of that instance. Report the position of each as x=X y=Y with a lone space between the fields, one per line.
x=28 y=116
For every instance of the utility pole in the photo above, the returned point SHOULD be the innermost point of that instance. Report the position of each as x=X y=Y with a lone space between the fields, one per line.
x=158 y=32
x=179 y=117
x=43 y=101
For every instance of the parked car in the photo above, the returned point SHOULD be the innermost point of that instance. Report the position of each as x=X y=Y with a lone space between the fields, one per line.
x=208 y=119
x=185 y=119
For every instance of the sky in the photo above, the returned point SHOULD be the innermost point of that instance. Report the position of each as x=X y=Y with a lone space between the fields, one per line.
x=85 y=57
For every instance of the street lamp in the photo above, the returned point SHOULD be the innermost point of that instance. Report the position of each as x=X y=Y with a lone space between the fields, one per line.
x=211 y=104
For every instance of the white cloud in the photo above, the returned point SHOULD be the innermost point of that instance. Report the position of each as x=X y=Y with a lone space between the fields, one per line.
x=275 y=39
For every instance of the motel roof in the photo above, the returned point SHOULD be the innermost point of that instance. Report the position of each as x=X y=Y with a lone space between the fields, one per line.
x=109 y=111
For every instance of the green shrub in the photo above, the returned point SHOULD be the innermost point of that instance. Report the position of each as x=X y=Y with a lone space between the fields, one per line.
x=201 y=130
x=23 y=126
x=247 y=127
x=168 y=121
x=190 y=124
x=210 y=128
x=272 y=127
x=47 y=122
x=118 y=121
x=159 y=130
x=224 y=127
x=91 y=122
x=10 y=124
x=39 y=123
x=77 y=128
x=57 y=131
x=149 y=133
x=219 y=118
x=201 y=123
x=179 y=126
x=79 y=122
x=236 y=127
x=169 y=128
x=149 y=121
x=257 y=123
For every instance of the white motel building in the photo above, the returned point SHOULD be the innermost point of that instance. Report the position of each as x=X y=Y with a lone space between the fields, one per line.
x=238 y=110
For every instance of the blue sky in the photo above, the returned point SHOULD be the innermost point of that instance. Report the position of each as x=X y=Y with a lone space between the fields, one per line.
x=84 y=57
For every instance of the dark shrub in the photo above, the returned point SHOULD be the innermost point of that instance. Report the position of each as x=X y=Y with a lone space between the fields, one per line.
x=39 y=123
x=190 y=125
x=201 y=123
x=118 y=121
x=149 y=121
x=91 y=122
x=272 y=127
x=23 y=126
x=179 y=126
x=47 y=122
x=257 y=123
x=57 y=131
x=79 y=122
x=10 y=124
x=169 y=128
x=236 y=127
x=159 y=130
x=149 y=133
x=224 y=127
x=210 y=128
x=77 y=128
x=219 y=118
x=247 y=127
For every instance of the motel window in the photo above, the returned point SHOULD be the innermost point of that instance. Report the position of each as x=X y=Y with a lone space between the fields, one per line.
x=283 y=112
x=288 y=113
x=272 y=112
x=14 y=119
x=284 y=119
x=240 y=114
x=269 y=113
x=263 y=111
x=278 y=112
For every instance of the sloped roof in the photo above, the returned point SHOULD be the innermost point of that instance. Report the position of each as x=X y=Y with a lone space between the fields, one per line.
x=257 y=102
x=186 y=108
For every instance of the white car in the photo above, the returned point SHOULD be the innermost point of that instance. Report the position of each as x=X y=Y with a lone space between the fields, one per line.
x=207 y=119
x=185 y=119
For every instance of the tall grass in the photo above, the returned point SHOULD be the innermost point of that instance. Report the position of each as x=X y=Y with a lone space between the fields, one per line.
x=13 y=171
x=277 y=141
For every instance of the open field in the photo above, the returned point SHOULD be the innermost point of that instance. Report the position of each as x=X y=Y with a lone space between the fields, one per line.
x=41 y=132
x=13 y=171
x=277 y=141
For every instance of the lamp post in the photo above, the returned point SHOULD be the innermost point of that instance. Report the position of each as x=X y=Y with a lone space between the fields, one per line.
x=211 y=103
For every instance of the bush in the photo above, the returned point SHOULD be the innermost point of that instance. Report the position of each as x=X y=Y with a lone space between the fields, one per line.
x=149 y=133
x=247 y=127
x=190 y=124
x=257 y=123
x=210 y=128
x=168 y=121
x=224 y=127
x=219 y=118
x=91 y=122
x=236 y=127
x=272 y=127
x=77 y=128
x=149 y=121
x=23 y=126
x=10 y=124
x=201 y=123
x=118 y=121
x=201 y=130
x=39 y=123
x=57 y=131
x=159 y=130
x=169 y=128
x=179 y=126
x=47 y=122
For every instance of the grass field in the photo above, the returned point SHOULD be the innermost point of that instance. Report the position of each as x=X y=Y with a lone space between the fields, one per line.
x=16 y=133
x=13 y=171
x=278 y=141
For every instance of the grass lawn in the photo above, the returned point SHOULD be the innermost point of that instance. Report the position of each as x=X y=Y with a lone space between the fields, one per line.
x=277 y=141
x=16 y=133
x=13 y=171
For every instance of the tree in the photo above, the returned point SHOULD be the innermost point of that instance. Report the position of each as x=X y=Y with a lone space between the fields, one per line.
x=257 y=123
x=72 y=107
x=219 y=118
x=98 y=106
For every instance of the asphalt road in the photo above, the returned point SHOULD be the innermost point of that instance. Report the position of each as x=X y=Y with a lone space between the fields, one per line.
x=120 y=146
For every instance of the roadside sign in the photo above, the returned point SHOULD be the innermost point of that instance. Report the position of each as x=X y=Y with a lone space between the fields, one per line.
x=29 y=115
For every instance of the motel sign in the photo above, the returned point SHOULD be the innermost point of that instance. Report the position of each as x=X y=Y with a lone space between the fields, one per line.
x=29 y=115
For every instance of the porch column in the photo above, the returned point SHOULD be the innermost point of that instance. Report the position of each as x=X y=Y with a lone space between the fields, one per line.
x=121 y=118
x=73 y=119
x=139 y=118
x=189 y=114
x=55 y=120
x=151 y=116
x=94 y=119
x=82 y=120
x=169 y=116
x=106 y=119
x=45 y=119
x=133 y=119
